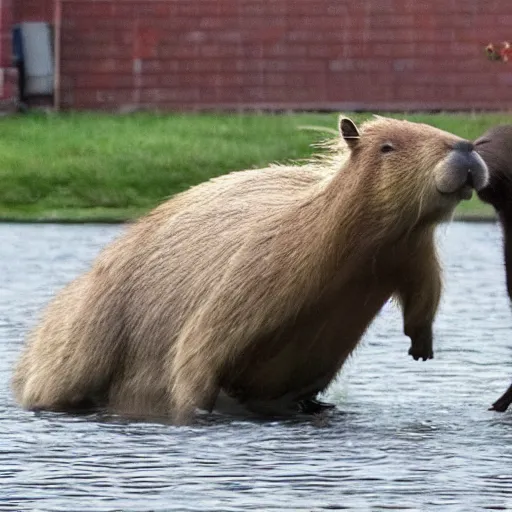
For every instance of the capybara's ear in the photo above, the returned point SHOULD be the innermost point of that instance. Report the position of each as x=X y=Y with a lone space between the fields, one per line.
x=349 y=131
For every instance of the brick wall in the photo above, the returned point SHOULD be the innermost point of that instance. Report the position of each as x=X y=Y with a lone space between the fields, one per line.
x=33 y=10
x=322 y=54
x=8 y=75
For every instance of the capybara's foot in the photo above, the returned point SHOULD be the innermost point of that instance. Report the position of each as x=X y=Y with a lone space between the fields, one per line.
x=313 y=406
x=503 y=402
x=421 y=351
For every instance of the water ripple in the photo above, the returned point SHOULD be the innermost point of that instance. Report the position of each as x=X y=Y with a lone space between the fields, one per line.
x=406 y=436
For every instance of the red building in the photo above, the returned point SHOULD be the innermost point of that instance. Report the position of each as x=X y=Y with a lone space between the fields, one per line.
x=300 y=54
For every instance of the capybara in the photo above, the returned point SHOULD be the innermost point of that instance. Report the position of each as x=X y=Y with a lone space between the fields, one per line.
x=495 y=147
x=258 y=284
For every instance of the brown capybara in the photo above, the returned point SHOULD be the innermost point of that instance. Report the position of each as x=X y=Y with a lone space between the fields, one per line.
x=258 y=284
x=495 y=147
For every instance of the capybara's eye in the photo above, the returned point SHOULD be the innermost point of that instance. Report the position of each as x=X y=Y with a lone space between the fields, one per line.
x=386 y=148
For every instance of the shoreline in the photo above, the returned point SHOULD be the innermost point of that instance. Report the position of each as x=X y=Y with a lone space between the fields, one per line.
x=458 y=217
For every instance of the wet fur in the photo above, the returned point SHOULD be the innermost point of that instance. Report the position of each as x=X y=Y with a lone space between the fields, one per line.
x=259 y=283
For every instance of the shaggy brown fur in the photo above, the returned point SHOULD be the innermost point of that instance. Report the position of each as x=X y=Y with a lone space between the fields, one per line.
x=259 y=283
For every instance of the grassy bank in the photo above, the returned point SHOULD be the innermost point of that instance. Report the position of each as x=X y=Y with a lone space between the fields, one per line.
x=93 y=167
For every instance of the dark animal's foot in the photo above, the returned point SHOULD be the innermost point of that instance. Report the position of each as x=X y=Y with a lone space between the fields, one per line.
x=313 y=406
x=499 y=406
x=503 y=402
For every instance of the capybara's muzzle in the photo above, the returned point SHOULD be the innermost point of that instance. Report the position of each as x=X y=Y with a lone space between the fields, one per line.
x=462 y=170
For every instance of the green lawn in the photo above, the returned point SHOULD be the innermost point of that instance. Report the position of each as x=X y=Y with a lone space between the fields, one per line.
x=95 y=167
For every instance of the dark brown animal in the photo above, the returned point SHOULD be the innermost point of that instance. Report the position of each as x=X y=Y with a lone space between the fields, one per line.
x=495 y=147
x=256 y=285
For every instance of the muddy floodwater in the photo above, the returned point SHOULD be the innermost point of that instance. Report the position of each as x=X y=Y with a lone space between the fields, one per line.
x=407 y=435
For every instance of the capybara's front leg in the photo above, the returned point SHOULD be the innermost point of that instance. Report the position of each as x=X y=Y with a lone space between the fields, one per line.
x=419 y=294
x=421 y=343
x=503 y=402
x=419 y=311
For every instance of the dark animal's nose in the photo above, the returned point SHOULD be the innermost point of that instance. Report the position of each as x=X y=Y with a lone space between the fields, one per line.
x=464 y=146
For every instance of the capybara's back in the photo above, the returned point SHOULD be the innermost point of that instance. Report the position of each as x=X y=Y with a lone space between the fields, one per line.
x=258 y=284
x=108 y=336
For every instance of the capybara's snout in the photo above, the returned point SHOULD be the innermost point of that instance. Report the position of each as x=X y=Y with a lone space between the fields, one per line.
x=462 y=170
x=470 y=165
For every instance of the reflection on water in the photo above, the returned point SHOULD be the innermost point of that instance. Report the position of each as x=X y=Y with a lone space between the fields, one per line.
x=407 y=435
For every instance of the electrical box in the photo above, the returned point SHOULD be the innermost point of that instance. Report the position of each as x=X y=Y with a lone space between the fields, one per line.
x=33 y=55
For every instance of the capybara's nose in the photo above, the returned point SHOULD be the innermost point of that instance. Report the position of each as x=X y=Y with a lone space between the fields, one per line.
x=464 y=145
x=468 y=163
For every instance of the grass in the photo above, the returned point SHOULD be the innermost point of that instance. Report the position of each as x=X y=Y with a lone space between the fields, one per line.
x=98 y=167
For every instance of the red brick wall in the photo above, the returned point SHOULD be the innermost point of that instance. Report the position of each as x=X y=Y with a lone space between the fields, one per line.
x=33 y=10
x=327 y=54
x=8 y=76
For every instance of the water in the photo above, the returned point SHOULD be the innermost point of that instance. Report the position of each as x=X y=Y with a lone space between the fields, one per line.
x=408 y=435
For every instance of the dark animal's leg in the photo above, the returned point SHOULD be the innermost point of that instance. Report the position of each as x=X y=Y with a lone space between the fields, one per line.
x=503 y=401
x=495 y=147
x=505 y=217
